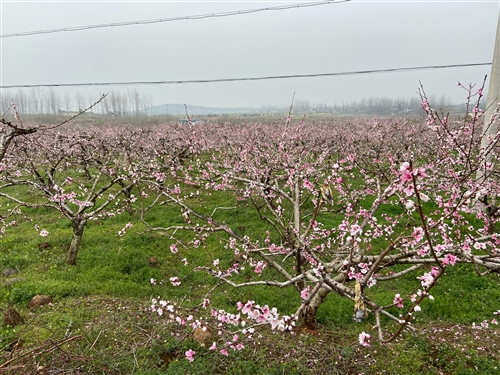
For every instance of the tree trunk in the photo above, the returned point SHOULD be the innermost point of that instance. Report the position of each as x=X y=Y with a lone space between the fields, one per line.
x=309 y=314
x=78 y=227
x=128 y=196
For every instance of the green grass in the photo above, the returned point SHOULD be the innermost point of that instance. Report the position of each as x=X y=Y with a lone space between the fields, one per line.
x=102 y=302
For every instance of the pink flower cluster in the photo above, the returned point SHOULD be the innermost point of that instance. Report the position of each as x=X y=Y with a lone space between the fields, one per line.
x=190 y=355
x=259 y=315
x=63 y=197
x=449 y=259
x=417 y=236
x=364 y=339
x=304 y=294
x=124 y=229
x=259 y=267
x=233 y=344
x=266 y=315
x=160 y=177
x=398 y=301
x=427 y=279
x=408 y=174
x=160 y=306
x=485 y=323
x=360 y=272
x=175 y=281
x=308 y=185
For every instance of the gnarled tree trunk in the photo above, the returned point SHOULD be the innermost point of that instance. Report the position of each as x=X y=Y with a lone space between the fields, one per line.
x=309 y=313
x=78 y=224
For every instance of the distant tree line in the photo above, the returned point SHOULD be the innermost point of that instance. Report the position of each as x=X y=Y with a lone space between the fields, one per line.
x=132 y=103
x=40 y=100
x=378 y=106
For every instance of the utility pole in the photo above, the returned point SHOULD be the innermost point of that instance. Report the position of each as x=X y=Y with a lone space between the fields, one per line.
x=490 y=129
x=493 y=92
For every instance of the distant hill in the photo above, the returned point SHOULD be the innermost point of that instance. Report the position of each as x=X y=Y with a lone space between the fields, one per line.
x=178 y=109
x=367 y=107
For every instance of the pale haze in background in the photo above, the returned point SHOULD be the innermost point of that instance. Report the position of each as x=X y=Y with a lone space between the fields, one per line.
x=343 y=37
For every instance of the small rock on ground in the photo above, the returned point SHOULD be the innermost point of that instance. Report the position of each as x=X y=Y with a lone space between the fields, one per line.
x=8 y=272
x=12 y=318
x=13 y=280
x=39 y=300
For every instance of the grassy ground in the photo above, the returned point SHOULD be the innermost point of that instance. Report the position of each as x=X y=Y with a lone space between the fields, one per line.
x=99 y=321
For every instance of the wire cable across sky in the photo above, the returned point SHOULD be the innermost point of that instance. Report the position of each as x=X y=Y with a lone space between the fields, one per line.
x=131 y=83
x=181 y=18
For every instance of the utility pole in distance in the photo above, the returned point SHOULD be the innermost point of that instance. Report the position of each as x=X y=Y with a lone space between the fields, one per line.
x=493 y=91
x=485 y=203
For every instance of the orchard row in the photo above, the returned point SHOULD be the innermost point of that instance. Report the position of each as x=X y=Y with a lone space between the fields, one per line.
x=343 y=205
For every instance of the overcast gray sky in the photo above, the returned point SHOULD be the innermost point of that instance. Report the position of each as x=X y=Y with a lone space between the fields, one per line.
x=350 y=36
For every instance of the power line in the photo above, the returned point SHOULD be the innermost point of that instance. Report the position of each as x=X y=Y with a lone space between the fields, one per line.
x=130 y=83
x=181 y=18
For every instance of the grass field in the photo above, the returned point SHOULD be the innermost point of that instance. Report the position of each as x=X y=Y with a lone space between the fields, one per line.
x=99 y=321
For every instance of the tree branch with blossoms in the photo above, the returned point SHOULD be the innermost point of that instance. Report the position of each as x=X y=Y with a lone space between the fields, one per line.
x=340 y=210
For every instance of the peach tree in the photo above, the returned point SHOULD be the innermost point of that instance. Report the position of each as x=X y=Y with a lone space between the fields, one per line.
x=343 y=207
